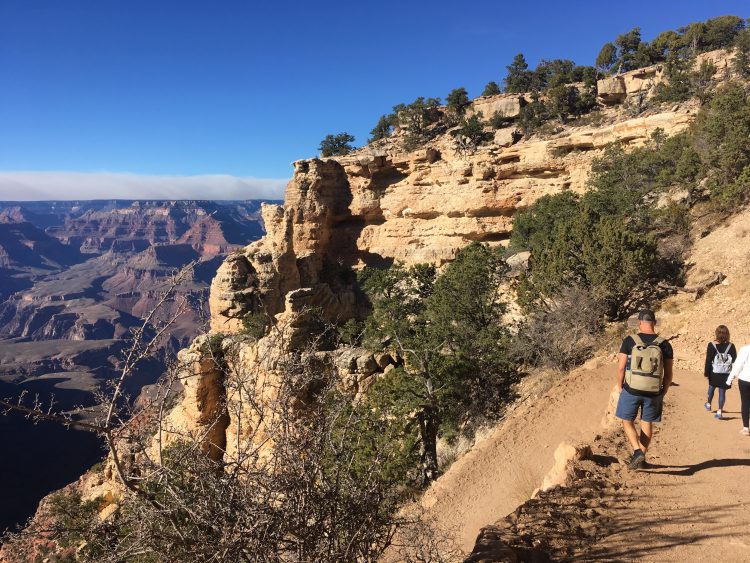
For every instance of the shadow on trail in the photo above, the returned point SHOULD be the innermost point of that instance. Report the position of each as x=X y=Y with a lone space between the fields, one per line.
x=629 y=522
x=689 y=470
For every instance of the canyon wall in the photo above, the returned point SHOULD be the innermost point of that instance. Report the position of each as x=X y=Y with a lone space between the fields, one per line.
x=382 y=204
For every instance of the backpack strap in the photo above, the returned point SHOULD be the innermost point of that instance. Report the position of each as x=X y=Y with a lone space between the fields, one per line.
x=657 y=341
x=729 y=345
x=638 y=340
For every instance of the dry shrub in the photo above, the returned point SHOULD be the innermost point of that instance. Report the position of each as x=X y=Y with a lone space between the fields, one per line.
x=563 y=332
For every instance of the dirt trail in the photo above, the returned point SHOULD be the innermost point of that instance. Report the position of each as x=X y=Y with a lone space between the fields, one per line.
x=503 y=470
x=692 y=503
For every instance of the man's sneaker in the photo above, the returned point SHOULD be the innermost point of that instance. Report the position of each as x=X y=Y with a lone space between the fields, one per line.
x=745 y=432
x=637 y=459
x=718 y=416
x=707 y=406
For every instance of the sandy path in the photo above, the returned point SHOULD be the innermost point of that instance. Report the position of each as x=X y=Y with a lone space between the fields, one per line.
x=503 y=470
x=691 y=503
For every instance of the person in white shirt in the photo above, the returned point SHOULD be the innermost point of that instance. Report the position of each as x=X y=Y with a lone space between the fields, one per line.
x=741 y=371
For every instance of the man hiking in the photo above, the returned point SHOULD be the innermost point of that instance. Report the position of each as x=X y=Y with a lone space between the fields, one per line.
x=644 y=374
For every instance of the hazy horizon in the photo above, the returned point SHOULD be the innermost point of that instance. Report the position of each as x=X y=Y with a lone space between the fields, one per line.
x=71 y=186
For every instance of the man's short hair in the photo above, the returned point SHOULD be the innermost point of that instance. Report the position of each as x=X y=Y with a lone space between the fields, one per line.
x=647 y=315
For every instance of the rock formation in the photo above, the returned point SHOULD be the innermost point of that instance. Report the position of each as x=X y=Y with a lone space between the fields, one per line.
x=381 y=204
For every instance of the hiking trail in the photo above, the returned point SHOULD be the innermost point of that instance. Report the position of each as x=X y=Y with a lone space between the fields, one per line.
x=691 y=502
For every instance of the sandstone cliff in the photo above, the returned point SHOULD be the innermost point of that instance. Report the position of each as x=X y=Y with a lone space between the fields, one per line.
x=381 y=204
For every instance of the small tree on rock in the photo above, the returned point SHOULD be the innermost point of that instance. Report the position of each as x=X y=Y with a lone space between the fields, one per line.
x=457 y=101
x=336 y=145
x=383 y=128
x=492 y=89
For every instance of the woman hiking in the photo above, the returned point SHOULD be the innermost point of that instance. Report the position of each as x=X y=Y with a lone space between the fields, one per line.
x=741 y=371
x=720 y=356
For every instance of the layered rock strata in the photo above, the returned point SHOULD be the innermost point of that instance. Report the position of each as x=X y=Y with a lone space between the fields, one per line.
x=380 y=206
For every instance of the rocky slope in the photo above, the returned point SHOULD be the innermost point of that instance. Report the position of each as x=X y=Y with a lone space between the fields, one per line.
x=685 y=506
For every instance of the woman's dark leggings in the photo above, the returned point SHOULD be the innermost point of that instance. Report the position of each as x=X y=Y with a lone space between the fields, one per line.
x=745 y=396
x=722 y=395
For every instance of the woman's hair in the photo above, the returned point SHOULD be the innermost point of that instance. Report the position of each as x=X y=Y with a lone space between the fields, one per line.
x=722 y=334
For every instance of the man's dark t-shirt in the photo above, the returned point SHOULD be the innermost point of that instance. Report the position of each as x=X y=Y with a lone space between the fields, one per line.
x=627 y=348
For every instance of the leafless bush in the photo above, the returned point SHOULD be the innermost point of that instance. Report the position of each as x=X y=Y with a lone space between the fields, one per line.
x=278 y=465
x=421 y=540
x=562 y=333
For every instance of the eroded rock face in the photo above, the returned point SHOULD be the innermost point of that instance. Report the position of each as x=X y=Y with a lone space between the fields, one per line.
x=201 y=415
x=375 y=207
x=642 y=82
x=507 y=105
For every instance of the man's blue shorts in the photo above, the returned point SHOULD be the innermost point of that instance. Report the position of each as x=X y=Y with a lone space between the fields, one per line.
x=628 y=405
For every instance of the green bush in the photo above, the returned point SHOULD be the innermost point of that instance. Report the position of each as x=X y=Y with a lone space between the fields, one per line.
x=256 y=325
x=606 y=241
x=473 y=130
x=352 y=332
x=336 y=145
x=499 y=120
x=415 y=119
x=492 y=89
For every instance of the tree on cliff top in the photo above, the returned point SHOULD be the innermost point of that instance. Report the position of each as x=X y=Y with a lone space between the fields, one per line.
x=492 y=89
x=383 y=128
x=607 y=57
x=457 y=101
x=336 y=145
x=519 y=77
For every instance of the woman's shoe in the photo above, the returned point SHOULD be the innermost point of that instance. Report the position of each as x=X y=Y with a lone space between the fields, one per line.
x=707 y=406
x=718 y=416
x=745 y=432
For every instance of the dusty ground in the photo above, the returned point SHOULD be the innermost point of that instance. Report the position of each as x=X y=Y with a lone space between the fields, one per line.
x=503 y=470
x=689 y=505
x=691 y=502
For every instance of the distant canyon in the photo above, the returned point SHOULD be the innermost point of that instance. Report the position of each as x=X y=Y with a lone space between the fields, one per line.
x=76 y=277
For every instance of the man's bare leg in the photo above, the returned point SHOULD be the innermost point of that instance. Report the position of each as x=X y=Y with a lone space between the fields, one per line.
x=632 y=433
x=647 y=431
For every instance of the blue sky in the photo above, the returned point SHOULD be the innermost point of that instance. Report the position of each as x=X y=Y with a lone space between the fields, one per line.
x=241 y=89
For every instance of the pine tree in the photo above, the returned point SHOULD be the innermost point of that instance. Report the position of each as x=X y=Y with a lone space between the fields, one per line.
x=607 y=57
x=336 y=145
x=519 y=77
x=492 y=89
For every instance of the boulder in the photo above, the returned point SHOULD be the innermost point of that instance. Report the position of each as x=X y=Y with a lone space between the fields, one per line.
x=383 y=359
x=508 y=105
x=611 y=90
x=507 y=136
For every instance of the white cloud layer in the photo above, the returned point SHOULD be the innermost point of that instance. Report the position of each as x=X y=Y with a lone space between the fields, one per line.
x=28 y=186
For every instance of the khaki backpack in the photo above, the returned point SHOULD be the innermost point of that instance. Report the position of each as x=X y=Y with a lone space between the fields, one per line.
x=646 y=366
